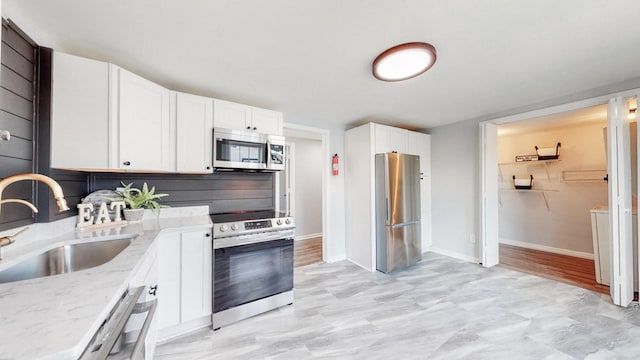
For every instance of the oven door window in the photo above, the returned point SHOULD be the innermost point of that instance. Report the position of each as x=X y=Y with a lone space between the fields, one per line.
x=251 y=272
x=240 y=151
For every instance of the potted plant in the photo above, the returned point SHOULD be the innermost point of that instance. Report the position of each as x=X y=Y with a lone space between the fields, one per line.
x=137 y=200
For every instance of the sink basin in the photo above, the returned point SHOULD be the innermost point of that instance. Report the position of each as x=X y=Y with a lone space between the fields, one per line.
x=67 y=258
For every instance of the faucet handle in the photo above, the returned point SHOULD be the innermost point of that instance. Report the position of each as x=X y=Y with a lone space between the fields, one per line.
x=20 y=232
x=10 y=239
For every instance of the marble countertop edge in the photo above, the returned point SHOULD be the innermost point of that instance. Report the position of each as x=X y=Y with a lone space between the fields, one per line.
x=55 y=317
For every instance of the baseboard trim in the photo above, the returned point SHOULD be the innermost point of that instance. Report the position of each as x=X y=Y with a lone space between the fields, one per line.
x=305 y=237
x=176 y=331
x=335 y=258
x=362 y=266
x=453 y=254
x=579 y=254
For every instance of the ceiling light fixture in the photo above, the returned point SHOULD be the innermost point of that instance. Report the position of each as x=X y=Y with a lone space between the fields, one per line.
x=404 y=61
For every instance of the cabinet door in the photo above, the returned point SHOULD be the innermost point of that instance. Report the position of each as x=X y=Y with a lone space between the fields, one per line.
x=169 y=269
x=196 y=275
x=388 y=139
x=79 y=113
x=143 y=124
x=194 y=133
x=420 y=144
x=230 y=115
x=266 y=121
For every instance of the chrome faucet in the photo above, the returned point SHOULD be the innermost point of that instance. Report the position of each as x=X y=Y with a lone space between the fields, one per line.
x=55 y=189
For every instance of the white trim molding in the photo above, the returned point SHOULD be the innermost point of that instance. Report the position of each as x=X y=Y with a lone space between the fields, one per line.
x=455 y=255
x=308 y=236
x=551 y=249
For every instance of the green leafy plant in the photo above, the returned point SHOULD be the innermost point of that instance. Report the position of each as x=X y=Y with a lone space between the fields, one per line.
x=144 y=198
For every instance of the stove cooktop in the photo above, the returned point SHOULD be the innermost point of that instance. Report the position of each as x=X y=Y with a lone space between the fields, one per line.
x=246 y=215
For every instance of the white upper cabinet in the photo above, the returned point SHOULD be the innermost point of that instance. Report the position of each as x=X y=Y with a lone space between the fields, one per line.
x=105 y=118
x=118 y=120
x=229 y=115
x=389 y=139
x=194 y=133
x=143 y=124
x=79 y=113
x=266 y=121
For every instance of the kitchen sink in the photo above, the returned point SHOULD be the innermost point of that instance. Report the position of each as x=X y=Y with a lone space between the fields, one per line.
x=67 y=258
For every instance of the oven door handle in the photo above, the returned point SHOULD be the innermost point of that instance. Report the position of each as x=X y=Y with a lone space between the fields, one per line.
x=150 y=308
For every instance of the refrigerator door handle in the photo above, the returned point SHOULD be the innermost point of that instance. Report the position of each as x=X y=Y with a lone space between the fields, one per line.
x=386 y=208
x=408 y=223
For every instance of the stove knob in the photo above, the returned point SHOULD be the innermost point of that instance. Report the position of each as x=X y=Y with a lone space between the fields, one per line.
x=223 y=228
x=279 y=222
x=234 y=227
x=288 y=221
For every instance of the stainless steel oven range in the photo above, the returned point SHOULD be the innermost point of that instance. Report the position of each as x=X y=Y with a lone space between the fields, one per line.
x=252 y=264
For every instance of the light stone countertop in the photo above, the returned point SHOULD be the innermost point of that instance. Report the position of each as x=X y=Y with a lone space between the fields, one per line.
x=55 y=317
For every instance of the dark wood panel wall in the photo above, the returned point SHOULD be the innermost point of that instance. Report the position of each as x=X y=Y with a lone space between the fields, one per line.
x=17 y=115
x=25 y=106
x=221 y=191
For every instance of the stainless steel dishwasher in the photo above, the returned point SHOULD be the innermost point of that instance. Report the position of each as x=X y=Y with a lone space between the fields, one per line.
x=107 y=342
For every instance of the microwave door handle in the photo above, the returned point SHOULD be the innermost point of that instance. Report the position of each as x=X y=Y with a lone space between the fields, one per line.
x=268 y=149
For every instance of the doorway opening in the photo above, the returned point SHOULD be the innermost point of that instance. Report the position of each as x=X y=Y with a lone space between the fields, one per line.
x=621 y=108
x=549 y=196
x=302 y=191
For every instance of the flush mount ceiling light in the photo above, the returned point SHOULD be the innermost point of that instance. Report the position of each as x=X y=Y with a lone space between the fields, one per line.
x=404 y=61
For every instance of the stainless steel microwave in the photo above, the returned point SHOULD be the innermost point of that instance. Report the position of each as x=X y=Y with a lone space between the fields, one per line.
x=247 y=150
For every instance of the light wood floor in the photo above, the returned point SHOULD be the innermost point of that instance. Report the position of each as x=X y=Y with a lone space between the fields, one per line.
x=308 y=251
x=568 y=269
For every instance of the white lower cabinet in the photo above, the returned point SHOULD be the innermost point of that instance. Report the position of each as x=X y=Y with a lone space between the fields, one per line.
x=185 y=284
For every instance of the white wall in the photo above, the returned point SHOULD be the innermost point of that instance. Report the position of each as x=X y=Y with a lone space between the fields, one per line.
x=566 y=226
x=308 y=186
x=454 y=188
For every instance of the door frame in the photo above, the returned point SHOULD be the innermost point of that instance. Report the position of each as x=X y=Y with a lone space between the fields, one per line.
x=487 y=219
x=308 y=132
x=287 y=177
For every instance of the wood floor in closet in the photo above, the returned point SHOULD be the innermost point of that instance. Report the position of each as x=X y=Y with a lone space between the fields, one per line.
x=568 y=269
x=308 y=251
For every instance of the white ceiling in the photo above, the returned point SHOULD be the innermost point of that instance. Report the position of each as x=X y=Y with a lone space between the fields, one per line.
x=312 y=59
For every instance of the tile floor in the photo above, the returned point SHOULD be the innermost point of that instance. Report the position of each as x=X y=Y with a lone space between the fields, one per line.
x=441 y=308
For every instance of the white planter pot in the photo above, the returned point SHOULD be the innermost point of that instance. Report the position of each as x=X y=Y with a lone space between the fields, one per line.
x=133 y=215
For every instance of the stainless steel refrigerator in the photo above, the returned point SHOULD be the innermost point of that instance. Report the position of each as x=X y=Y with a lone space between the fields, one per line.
x=397 y=185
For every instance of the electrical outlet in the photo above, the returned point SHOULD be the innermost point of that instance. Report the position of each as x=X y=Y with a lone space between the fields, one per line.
x=472 y=238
